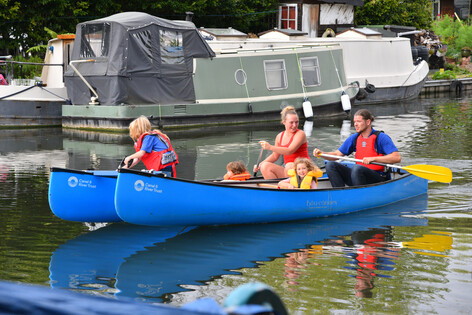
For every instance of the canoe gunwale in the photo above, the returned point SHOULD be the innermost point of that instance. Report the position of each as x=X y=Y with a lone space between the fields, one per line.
x=245 y=184
x=82 y=172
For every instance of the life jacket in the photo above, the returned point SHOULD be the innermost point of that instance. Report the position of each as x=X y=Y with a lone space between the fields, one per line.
x=368 y=255
x=367 y=148
x=302 y=151
x=2 y=80
x=305 y=181
x=241 y=177
x=158 y=160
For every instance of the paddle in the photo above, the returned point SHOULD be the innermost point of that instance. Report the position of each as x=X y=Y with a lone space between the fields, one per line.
x=258 y=161
x=432 y=172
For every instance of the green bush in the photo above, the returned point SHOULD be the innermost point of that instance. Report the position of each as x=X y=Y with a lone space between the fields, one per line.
x=454 y=33
x=27 y=71
x=446 y=75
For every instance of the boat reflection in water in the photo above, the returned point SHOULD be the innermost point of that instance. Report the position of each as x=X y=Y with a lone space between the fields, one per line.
x=146 y=263
x=90 y=261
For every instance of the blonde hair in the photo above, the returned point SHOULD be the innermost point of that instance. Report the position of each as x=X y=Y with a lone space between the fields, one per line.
x=139 y=126
x=288 y=110
x=237 y=167
x=309 y=164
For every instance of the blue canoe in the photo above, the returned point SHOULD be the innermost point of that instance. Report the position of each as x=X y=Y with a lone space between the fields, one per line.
x=150 y=199
x=83 y=196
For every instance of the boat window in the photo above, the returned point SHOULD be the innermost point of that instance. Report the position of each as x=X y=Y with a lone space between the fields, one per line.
x=95 y=41
x=310 y=71
x=171 y=47
x=240 y=76
x=275 y=74
x=288 y=16
x=143 y=39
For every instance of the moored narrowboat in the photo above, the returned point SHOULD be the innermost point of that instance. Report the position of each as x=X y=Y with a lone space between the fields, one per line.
x=132 y=64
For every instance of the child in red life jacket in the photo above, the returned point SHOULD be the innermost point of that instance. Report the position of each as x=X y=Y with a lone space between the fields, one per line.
x=304 y=175
x=152 y=147
x=236 y=171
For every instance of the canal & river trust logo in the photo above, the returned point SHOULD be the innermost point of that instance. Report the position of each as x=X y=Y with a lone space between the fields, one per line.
x=139 y=185
x=72 y=181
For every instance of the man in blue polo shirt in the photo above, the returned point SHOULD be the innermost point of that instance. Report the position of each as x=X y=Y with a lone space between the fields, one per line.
x=370 y=146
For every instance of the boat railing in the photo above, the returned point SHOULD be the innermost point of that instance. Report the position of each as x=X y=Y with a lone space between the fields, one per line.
x=274 y=48
x=93 y=99
x=7 y=63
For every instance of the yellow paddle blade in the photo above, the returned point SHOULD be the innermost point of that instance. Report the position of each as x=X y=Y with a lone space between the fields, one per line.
x=432 y=172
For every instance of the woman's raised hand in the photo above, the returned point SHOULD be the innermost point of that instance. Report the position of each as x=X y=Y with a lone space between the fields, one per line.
x=265 y=145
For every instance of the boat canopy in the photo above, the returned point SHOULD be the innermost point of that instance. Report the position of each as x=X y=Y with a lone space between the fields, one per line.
x=135 y=58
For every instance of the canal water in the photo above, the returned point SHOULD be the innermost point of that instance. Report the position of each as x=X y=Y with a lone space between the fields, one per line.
x=406 y=258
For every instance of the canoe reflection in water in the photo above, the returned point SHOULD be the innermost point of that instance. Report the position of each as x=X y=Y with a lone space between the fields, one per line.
x=372 y=254
x=147 y=263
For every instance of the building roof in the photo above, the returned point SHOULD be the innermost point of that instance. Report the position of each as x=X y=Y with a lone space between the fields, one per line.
x=351 y=2
x=364 y=31
x=288 y=32
x=222 y=31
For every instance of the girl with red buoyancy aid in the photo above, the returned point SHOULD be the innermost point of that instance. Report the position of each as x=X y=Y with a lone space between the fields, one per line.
x=236 y=170
x=304 y=175
x=152 y=147
x=291 y=143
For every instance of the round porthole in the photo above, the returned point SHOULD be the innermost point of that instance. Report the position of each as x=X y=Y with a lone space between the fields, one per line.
x=240 y=76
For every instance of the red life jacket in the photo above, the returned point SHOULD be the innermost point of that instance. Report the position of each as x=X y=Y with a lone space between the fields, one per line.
x=366 y=148
x=2 y=80
x=302 y=151
x=368 y=255
x=158 y=160
x=241 y=177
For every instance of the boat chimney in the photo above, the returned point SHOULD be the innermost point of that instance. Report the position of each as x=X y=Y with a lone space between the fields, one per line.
x=189 y=16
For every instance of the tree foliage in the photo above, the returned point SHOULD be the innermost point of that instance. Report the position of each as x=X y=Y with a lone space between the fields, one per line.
x=23 y=22
x=415 y=13
x=454 y=33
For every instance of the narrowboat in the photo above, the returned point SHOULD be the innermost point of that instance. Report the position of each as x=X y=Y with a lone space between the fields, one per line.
x=35 y=102
x=383 y=67
x=132 y=64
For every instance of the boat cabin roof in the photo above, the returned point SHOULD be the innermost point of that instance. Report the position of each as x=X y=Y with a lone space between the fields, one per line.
x=362 y=32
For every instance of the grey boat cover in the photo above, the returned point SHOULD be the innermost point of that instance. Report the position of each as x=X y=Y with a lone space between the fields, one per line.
x=137 y=59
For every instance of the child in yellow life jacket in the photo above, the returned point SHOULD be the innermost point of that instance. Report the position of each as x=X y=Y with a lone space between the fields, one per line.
x=236 y=170
x=304 y=175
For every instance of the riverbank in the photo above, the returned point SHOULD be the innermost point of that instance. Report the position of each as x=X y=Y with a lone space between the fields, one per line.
x=456 y=86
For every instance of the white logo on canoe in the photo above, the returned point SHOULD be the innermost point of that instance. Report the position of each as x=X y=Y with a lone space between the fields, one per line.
x=139 y=185
x=72 y=181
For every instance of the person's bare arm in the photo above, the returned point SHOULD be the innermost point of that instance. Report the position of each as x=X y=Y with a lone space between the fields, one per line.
x=136 y=157
x=298 y=140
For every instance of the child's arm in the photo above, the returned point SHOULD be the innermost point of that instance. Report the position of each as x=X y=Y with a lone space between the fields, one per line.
x=136 y=157
x=313 y=184
x=285 y=184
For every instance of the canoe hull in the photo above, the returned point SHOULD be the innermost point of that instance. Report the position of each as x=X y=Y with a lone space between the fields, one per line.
x=83 y=196
x=153 y=200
